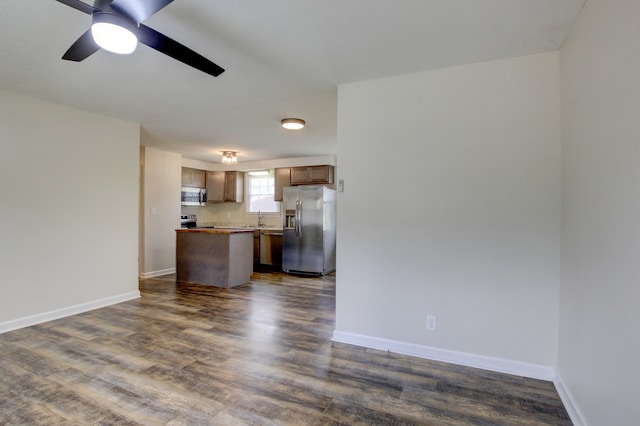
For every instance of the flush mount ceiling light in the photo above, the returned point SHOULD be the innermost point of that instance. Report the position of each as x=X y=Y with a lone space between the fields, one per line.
x=292 y=123
x=229 y=157
x=114 y=33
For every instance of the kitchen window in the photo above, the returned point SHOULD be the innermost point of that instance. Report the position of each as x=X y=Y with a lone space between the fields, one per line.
x=260 y=191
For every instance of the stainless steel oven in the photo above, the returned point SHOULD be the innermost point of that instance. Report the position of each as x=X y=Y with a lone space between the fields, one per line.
x=188 y=221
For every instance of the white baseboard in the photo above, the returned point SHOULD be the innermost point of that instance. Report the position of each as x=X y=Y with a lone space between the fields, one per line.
x=159 y=273
x=500 y=365
x=569 y=402
x=65 y=312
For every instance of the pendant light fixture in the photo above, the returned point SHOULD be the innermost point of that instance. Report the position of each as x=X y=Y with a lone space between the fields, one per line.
x=229 y=157
x=292 y=123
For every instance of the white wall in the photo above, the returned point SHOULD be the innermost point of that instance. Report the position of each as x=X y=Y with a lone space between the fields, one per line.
x=600 y=316
x=451 y=207
x=69 y=209
x=162 y=175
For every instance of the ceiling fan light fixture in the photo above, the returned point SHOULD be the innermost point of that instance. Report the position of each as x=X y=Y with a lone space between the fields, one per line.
x=114 y=33
x=292 y=123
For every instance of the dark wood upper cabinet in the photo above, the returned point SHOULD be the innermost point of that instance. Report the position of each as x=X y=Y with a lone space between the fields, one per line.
x=215 y=187
x=225 y=186
x=282 y=178
x=234 y=186
x=310 y=175
x=193 y=177
x=306 y=175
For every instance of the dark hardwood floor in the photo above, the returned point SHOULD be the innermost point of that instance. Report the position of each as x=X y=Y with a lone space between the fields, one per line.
x=258 y=354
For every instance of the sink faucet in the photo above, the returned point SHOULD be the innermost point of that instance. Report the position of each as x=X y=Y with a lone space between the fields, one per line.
x=260 y=220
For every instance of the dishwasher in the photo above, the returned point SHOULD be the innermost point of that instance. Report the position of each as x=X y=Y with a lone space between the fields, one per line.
x=271 y=247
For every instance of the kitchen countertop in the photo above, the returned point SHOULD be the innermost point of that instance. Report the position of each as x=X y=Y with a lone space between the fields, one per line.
x=215 y=230
x=252 y=228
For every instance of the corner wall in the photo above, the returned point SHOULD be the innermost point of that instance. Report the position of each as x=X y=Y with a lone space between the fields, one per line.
x=599 y=316
x=69 y=210
x=160 y=215
x=451 y=208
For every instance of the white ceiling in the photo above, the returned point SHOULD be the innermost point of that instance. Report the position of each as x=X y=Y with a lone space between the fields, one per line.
x=282 y=58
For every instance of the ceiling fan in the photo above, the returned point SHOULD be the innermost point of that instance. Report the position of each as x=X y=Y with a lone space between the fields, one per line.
x=116 y=26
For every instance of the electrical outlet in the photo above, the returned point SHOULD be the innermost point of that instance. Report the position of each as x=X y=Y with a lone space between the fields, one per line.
x=432 y=322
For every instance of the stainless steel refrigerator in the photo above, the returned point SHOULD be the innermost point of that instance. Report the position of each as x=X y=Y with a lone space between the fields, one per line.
x=309 y=231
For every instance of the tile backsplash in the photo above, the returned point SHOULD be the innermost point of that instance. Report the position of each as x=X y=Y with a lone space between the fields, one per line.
x=231 y=214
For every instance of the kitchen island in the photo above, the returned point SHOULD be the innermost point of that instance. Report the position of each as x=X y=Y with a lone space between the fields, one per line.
x=217 y=257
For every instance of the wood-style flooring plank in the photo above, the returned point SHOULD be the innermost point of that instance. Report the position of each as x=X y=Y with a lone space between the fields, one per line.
x=256 y=354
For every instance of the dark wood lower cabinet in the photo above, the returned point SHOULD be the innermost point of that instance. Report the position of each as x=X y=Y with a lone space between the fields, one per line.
x=218 y=257
x=256 y=246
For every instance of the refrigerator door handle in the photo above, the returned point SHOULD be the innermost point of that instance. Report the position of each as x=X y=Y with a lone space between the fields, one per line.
x=300 y=220
x=298 y=217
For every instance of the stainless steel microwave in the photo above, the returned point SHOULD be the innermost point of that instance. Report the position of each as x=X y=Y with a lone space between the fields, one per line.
x=193 y=196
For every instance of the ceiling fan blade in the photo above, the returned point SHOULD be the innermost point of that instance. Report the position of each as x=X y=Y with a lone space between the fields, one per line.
x=138 y=10
x=169 y=47
x=82 y=48
x=78 y=5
